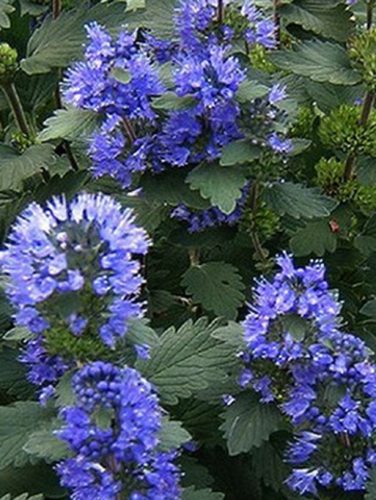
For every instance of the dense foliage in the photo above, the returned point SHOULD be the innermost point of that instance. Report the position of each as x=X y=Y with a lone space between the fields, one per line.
x=188 y=249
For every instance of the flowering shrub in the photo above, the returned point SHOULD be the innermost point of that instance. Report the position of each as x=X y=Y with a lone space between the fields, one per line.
x=187 y=224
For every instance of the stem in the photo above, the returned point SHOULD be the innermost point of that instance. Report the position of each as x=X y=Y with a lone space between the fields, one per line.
x=221 y=11
x=194 y=256
x=349 y=167
x=14 y=101
x=253 y=199
x=370 y=5
x=56 y=8
x=277 y=21
x=129 y=130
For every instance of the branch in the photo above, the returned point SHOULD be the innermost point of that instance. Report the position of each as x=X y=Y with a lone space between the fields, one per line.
x=15 y=105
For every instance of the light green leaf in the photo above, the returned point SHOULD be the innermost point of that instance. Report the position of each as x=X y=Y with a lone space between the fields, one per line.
x=206 y=494
x=170 y=101
x=172 y=435
x=158 y=16
x=17 y=422
x=239 y=152
x=187 y=360
x=316 y=237
x=140 y=333
x=72 y=124
x=25 y=496
x=18 y=333
x=298 y=201
x=5 y=10
x=222 y=186
x=121 y=75
x=320 y=61
x=233 y=334
x=217 y=286
x=45 y=445
x=15 y=167
x=248 y=423
x=250 y=89
x=58 y=42
x=328 y=18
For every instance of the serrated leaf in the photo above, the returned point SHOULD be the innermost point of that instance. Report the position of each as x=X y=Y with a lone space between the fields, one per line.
x=217 y=286
x=369 y=309
x=328 y=96
x=158 y=16
x=71 y=124
x=366 y=241
x=34 y=479
x=323 y=17
x=17 y=422
x=269 y=466
x=15 y=167
x=187 y=360
x=5 y=10
x=233 y=334
x=222 y=186
x=64 y=392
x=170 y=188
x=13 y=374
x=298 y=201
x=206 y=494
x=316 y=237
x=57 y=42
x=45 y=445
x=28 y=7
x=172 y=435
x=248 y=423
x=250 y=89
x=239 y=152
x=140 y=333
x=320 y=61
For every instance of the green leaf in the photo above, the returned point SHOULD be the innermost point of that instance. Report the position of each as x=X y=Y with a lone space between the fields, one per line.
x=172 y=435
x=57 y=42
x=328 y=18
x=25 y=496
x=45 y=445
x=29 y=7
x=366 y=174
x=188 y=360
x=217 y=286
x=13 y=374
x=233 y=334
x=320 y=61
x=158 y=15
x=15 y=167
x=248 y=423
x=170 y=101
x=269 y=466
x=121 y=75
x=369 y=309
x=72 y=124
x=17 y=422
x=17 y=334
x=316 y=237
x=298 y=201
x=239 y=152
x=371 y=486
x=171 y=188
x=206 y=494
x=328 y=96
x=222 y=186
x=366 y=241
x=5 y=10
x=250 y=90
x=140 y=333
x=35 y=479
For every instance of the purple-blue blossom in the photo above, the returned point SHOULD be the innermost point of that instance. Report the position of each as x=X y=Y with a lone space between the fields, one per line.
x=125 y=444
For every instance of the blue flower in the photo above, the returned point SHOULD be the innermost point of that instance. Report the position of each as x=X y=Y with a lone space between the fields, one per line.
x=127 y=444
x=279 y=144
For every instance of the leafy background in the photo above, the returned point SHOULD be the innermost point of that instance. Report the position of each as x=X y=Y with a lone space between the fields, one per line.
x=189 y=276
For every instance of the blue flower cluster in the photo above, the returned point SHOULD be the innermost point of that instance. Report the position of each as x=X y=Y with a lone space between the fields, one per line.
x=119 y=79
x=113 y=432
x=72 y=267
x=322 y=379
